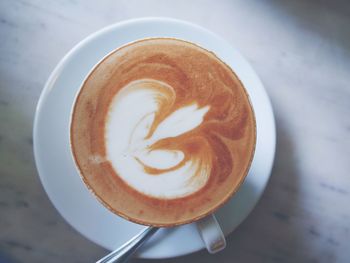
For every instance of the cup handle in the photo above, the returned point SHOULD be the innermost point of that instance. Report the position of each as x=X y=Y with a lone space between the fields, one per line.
x=211 y=234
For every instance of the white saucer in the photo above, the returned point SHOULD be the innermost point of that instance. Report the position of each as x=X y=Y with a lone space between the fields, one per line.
x=56 y=167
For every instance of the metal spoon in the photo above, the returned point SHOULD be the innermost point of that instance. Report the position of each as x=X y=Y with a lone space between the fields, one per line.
x=123 y=253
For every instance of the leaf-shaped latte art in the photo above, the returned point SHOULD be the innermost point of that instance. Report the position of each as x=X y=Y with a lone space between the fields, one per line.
x=149 y=153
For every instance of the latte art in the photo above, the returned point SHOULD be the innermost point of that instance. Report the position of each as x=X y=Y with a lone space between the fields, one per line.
x=144 y=141
x=162 y=132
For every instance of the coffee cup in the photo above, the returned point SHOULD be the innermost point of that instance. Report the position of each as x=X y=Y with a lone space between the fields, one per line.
x=163 y=134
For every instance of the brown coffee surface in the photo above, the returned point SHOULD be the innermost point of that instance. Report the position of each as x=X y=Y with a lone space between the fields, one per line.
x=224 y=141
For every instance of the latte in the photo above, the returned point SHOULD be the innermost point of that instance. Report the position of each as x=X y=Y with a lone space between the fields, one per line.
x=162 y=132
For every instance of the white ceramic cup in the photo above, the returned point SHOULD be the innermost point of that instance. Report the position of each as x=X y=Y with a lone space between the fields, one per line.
x=208 y=227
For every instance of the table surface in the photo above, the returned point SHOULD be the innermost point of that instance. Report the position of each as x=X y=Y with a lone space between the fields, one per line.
x=301 y=51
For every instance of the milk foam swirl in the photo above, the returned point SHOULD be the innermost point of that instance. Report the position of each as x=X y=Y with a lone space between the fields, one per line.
x=144 y=145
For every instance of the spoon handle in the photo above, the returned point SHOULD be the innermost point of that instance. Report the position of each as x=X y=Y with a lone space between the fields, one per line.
x=123 y=253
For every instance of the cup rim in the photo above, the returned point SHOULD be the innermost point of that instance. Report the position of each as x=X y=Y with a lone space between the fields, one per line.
x=136 y=220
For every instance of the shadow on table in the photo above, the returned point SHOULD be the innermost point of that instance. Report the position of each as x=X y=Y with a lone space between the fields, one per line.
x=318 y=17
x=277 y=230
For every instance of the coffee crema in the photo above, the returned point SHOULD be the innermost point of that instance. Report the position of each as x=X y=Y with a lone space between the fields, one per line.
x=162 y=132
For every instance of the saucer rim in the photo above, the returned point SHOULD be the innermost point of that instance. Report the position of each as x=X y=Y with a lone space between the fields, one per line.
x=60 y=66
